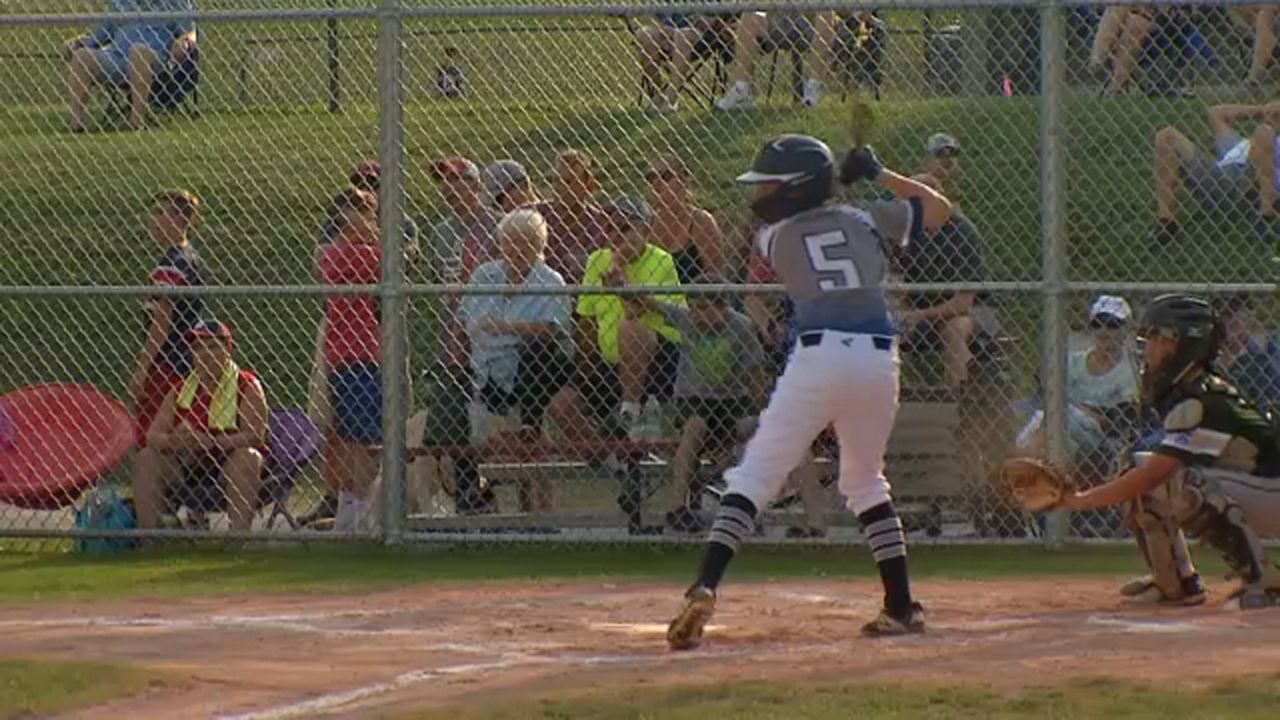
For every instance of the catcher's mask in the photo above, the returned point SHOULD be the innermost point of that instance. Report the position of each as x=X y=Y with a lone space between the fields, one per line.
x=801 y=169
x=1193 y=325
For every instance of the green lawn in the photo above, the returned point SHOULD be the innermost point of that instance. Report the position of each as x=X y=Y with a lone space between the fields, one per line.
x=328 y=568
x=30 y=688
x=1245 y=699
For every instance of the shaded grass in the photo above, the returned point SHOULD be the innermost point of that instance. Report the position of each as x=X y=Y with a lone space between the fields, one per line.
x=30 y=688
x=1252 y=698
x=44 y=577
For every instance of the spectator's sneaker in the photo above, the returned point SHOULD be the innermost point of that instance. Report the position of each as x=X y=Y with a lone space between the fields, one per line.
x=685 y=631
x=1165 y=233
x=630 y=423
x=684 y=520
x=887 y=625
x=812 y=91
x=1143 y=589
x=326 y=509
x=738 y=97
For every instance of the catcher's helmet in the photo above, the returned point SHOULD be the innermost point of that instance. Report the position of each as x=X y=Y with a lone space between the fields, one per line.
x=804 y=169
x=1194 y=324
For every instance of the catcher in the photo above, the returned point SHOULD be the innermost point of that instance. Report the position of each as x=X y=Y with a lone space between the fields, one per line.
x=1215 y=472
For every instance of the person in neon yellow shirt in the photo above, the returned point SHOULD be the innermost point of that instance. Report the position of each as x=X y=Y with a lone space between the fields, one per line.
x=627 y=353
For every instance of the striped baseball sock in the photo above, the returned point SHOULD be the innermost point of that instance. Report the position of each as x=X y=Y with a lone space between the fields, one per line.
x=882 y=529
x=735 y=521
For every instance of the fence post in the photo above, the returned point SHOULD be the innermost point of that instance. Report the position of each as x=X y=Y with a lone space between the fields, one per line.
x=335 y=61
x=393 y=289
x=1053 y=228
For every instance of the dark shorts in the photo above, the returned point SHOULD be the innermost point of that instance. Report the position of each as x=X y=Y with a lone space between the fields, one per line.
x=721 y=415
x=1222 y=188
x=355 y=394
x=543 y=369
x=601 y=389
x=200 y=485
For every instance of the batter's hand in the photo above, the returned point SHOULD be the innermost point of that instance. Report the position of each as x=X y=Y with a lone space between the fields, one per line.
x=860 y=164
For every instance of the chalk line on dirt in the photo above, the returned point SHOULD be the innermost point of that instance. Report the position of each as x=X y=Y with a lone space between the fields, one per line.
x=1144 y=626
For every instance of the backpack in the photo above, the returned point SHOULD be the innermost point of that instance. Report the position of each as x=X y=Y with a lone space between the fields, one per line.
x=104 y=509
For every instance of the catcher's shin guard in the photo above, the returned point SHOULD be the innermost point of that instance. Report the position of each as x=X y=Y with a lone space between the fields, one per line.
x=1164 y=548
x=685 y=631
x=1207 y=512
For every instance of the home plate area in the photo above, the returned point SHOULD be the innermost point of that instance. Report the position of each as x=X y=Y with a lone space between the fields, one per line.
x=274 y=657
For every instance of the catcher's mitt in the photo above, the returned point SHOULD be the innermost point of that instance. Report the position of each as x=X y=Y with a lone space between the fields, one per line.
x=1037 y=485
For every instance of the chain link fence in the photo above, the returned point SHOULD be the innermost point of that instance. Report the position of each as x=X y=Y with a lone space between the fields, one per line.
x=239 y=168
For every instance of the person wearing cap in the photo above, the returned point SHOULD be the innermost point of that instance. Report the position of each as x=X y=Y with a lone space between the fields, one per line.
x=165 y=357
x=1102 y=389
x=212 y=429
x=521 y=349
x=507 y=186
x=942 y=162
x=946 y=321
x=465 y=236
x=1250 y=354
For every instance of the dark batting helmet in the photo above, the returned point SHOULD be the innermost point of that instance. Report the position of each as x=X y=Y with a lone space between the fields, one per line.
x=1194 y=325
x=804 y=170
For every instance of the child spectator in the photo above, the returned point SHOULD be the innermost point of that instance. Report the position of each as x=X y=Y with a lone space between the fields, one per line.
x=353 y=353
x=451 y=81
x=165 y=358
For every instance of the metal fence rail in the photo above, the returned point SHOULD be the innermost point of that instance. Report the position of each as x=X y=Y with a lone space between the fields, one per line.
x=1066 y=152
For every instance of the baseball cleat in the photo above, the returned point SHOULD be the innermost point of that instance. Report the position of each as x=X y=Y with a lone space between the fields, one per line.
x=685 y=632
x=1144 y=589
x=1253 y=597
x=886 y=625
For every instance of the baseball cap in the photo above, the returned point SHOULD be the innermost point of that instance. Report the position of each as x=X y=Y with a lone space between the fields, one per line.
x=1110 y=311
x=456 y=166
x=941 y=142
x=211 y=329
x=500 y=177
x=633 y=210
x=367 y=174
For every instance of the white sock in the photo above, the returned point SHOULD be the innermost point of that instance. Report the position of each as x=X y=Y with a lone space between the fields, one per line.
x=345 y=519
x=631 y=408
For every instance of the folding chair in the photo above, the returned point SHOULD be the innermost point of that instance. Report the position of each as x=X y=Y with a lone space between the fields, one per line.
x=170 y=88
x=717 y=51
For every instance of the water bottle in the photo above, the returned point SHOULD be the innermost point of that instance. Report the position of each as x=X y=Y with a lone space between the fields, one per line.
x=651 y=420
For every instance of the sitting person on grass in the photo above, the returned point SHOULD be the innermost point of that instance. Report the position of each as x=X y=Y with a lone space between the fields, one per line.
x=521 y=347
x=353 y=355
x=1240 y=177
x=127 y=53
x=211 y=430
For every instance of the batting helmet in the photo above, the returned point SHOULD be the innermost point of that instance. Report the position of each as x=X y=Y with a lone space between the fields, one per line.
x=803 y=169
x=1194 y=325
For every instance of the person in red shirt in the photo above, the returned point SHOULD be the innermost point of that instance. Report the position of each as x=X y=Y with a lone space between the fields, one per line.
x=353 y=353
x=165 y=359
x=210 y=429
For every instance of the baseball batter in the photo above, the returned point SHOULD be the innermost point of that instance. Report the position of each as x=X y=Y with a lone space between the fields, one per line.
x=1215 y=473
x=843 y=370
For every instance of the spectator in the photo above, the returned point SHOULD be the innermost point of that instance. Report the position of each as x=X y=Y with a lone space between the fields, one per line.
x=451 y=81
x=507 y=187
x=1241 y=172
x=127 y=53
x=943 y=164
x=760 y=34
x=1250 y=355
x=165 y=359
x=364 y=176
x=353 y=353
x=943 y=321
x=1102 y=390
x=624 y=353
x=720 y=381
x=210 y=429
x=521 y=347
x=575 y=222
x=675 y=41
x=1123 y=34
x=1259 y=21
x=688 y=232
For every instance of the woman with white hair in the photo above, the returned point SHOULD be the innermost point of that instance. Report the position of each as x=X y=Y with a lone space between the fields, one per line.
x=521 y=347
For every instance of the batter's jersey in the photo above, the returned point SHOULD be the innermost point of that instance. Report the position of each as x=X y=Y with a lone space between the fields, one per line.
x=832 y=260
x=1214 y=426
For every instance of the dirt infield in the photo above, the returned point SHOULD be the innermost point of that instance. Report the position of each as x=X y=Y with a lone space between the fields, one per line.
x=275 y=657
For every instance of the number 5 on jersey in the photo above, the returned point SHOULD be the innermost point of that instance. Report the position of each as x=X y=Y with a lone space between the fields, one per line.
x=835 y=273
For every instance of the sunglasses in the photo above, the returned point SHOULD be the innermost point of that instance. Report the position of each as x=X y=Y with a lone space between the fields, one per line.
x=947 y=153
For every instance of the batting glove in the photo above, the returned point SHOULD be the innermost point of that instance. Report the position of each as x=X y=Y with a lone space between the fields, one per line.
x=860 y=164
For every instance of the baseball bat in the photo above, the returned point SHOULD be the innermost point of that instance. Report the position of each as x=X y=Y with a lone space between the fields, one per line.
x=862 y=118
